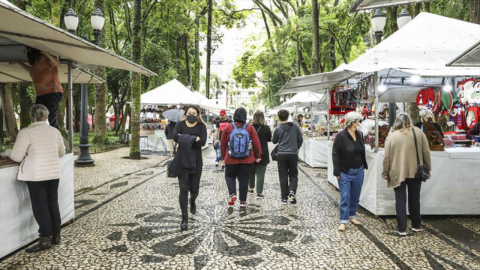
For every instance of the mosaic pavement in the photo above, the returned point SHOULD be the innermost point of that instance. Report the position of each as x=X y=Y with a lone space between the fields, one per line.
x=128 y=217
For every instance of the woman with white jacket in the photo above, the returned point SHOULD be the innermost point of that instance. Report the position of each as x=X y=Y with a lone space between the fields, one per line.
x=39 y=148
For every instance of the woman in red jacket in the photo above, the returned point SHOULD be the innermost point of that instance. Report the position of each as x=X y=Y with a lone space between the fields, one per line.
x=238 y=165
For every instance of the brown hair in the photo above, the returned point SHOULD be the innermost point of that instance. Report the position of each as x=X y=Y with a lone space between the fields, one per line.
x=283 y=115
x=197 y=109
x=259 y=119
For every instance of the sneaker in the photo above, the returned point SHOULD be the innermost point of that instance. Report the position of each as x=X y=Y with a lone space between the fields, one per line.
x=293 y=199
x=243 y=204
x=355 y=221
x=342 y=227
x=251 y=191
x=216 y=163
x=284 y=201
x=233 y=198
x=417 y=229
x=401 y=233
x=223 y=168
x=260 y=196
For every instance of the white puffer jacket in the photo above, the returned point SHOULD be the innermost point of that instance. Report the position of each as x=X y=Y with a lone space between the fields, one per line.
x=39 y=148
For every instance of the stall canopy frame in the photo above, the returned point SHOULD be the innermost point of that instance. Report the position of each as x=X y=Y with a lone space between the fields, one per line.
x=469 y=58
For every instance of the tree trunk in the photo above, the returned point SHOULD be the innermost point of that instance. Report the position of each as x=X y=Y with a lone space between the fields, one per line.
x=100 y=130
x=209 y=48
x=392 y=16
x=8 y=112
x=76 y=108
x=187 y=61
x=25 y=104
x=299 y=54
x=333 y=55
x=2 y=134
x=136 y=82
x=196 y=69
x=316 y=38
x=475 y=11
x=413 y=111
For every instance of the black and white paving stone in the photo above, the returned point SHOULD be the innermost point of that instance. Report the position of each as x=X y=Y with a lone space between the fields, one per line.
x=128 y=217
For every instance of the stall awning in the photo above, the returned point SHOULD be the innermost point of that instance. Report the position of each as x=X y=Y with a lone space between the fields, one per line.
x=15 y=74
x=422 y=47
x=303 y=99
x=23 y=28
x=371 y=4
x=469 y=58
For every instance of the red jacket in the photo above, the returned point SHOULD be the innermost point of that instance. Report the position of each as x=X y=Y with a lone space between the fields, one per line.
x=257 y=147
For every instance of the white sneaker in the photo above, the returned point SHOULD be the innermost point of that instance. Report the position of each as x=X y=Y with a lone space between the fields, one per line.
x=417 y=229
x=401 y=233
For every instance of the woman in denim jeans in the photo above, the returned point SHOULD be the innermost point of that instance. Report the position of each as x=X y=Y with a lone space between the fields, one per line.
x=349 y=163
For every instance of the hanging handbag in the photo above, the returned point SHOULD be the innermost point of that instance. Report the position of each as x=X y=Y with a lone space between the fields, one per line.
x=423 y=173
x=274 y=153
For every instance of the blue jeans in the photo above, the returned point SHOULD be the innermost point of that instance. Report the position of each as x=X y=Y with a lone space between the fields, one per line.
x=350 y=185
x=218 y=152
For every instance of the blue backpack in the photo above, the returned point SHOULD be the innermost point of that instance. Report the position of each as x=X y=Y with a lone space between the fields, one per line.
x=239 y=145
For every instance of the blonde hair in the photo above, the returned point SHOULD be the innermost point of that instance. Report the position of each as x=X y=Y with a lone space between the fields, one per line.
x=259 y=119
x=426 y=114
x=402 y=122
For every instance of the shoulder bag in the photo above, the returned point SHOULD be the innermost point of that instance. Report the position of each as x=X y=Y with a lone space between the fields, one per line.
x=274 y=153
x=423 y=173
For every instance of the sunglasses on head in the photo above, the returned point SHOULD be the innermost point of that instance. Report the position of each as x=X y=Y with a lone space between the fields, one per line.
x=360 y=121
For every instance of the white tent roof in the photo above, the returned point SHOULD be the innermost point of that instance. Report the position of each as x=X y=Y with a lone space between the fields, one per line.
x=469 y=58
x=23 y=28
x=175 y=93
x=422 y=47
x=171 y=93
x=371 y=4
x=302 y=99
x=15 y=74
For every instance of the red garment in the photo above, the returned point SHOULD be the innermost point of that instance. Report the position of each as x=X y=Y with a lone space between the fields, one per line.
x=460 y=120
x=257 y=147
x=45 y=77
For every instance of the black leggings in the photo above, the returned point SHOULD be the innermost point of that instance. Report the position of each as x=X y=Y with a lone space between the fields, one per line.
x=44 y=197
x=51 y=101
x=188 y=183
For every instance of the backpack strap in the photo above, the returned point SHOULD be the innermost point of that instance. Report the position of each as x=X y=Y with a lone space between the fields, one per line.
x=233 y=125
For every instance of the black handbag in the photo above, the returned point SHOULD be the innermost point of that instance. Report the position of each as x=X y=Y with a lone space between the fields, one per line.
x=274 y=153
x=423 y=173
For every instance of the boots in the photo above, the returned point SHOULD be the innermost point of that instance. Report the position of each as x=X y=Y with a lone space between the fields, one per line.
x=56 y=238
x=193 y=207
x=43 y=243
x=184 y=224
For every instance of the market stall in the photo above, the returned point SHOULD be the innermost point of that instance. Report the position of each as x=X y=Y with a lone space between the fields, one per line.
x=17 y=30
x=410 y=66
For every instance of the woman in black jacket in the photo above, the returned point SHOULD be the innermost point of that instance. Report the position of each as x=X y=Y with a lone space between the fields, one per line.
x=189 y=170
x=265 y=135
x=349 y=163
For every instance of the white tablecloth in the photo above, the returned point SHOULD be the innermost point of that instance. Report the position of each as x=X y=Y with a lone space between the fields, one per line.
x=155 y=142
x=454 y=188
x=17 y=224
x=314 y=152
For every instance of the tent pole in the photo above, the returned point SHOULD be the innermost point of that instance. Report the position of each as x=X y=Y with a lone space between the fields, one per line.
x=69 y=107
x=375 y=87
x=328 y=115
x=311 y=117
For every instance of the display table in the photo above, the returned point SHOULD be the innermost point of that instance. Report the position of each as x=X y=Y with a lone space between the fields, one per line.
x=18 y=226
x=314 y=152
x=153 y=141
x=453 y=189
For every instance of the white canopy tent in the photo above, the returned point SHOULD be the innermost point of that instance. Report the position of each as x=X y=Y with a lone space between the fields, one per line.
x=469 y=58
x=423 y=47
x=371 y=4
x=302 y=99
x=175 y=93
x=20 y=27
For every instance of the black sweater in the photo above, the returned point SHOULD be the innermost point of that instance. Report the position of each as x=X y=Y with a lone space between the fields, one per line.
x=264 y=135
x=343 y=152
x=199 y=130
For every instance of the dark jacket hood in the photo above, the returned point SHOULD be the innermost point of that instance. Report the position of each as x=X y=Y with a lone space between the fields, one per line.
x=240 y=115
x=287 y=126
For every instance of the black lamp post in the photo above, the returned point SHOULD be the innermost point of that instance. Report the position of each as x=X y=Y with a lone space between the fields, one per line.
x=71 y=22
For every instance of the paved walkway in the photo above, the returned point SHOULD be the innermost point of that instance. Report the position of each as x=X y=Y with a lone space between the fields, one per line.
x=128 y=217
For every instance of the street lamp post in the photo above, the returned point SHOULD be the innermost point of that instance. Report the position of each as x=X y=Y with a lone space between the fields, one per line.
x=403 y=18
x=71 y=22
x=378 y=24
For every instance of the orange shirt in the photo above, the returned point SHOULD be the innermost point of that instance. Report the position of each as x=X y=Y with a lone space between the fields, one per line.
x=45 y=77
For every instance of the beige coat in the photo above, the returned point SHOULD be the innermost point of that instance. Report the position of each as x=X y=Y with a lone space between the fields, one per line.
x=39 y=148
x=400 y=160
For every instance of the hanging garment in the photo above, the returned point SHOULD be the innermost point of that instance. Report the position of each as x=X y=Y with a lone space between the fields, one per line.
x=472 y=116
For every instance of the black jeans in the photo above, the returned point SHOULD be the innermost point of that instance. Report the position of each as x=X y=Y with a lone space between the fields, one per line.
x=414 y=186
x=288 y=174
x=188 y=183
x=242 y=172
x=51 y=101
x=44 y=197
